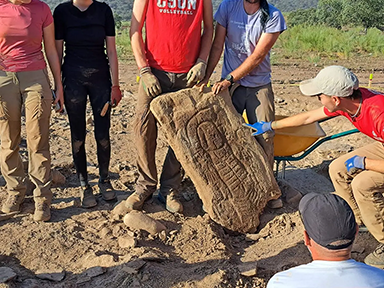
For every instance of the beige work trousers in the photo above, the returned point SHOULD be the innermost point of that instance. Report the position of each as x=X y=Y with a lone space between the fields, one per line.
x=32 y=89
x=145 y=129
x=258 y=102
x=364 y=191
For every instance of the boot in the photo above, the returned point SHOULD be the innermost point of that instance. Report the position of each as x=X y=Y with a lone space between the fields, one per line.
x=42 y=211
x=136 y=200
x=170 y=198
x=12 y=203
x=88 y=200
x=106 y=190
x=275 y=203
x=376 y=258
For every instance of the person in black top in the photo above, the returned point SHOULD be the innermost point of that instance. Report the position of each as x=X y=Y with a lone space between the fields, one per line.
x=87 y=27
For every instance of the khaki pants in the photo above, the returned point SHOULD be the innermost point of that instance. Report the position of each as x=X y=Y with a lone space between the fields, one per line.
x=145 y=129
x=258 y=102
x=363 y=191
x=32 y=89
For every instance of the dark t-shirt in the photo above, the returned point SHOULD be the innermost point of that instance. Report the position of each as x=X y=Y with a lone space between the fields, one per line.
x=84 y=33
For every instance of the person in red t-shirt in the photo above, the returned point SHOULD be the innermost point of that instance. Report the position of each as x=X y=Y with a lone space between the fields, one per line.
x=358 y=176
x=172 y=57
x=24 y=25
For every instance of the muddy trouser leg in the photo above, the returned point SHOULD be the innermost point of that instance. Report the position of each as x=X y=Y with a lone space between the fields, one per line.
x=259 y=105
x=145 y=131
x=10 y=128
x=37 y=95
x=75 y=97
x=363 y=191
x=100 y=93
x=171 y=172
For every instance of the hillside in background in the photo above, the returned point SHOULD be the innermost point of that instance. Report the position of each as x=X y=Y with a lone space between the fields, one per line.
x=292 y=5
x=124 y=7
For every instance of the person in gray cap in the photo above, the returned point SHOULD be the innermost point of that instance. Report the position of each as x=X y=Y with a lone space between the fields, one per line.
x=330 y=229
x=358 y=176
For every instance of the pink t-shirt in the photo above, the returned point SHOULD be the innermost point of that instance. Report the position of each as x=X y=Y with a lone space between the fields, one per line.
x=371 y=118
x=21 y=34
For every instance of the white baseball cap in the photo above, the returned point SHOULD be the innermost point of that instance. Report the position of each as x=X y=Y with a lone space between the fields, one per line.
x=332 y=81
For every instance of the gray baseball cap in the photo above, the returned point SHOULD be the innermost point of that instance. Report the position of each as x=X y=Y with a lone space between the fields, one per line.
x=328 y=218
x=332 y=81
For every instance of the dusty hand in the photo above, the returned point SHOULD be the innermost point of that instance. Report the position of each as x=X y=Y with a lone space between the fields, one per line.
x=150 y=83
x=260 y=127
x=220 y=86
x=197 y=72
x=355 y=163
x=115 y=95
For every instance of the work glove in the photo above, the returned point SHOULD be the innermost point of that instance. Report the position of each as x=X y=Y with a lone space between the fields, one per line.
x=197 y=72
x=115 y=95
x=260 y=127
x=355 y=164
x=150 y=83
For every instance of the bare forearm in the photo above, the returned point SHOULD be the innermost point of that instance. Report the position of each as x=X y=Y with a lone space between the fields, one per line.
x=59 y=47
x=374 y=165
x=138 y=50
x=247 y=66
x=213 y=59
x=300 y=119
x=114 y=67
x=262 y=49
x=206 y=42
x=206 y=38
x=54 y=64
x=113 y=62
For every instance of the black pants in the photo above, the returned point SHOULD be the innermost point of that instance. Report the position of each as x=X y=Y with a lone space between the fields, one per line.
x=80 y=82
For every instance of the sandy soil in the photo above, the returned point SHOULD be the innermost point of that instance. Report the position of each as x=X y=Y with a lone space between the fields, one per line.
x=194 y=251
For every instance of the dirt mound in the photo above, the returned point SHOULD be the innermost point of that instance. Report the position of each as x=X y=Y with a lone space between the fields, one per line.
x=87 y=246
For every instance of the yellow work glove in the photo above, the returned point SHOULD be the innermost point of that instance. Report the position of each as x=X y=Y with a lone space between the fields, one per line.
x=197 y=72
x=150 y=83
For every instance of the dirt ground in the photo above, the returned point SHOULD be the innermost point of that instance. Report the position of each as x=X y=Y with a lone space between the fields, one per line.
x=194 y=251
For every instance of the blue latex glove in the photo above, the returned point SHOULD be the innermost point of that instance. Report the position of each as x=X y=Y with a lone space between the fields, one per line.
x=355 y=163
x=260 y=127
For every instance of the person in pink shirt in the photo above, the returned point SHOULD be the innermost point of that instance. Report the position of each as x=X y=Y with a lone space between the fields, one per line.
x=24 y=26
x=358 y=176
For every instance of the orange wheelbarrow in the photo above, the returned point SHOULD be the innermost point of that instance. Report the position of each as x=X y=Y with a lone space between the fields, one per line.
x=303 y=139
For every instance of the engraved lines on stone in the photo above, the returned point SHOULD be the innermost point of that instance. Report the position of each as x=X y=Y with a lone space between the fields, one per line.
x=227 y=167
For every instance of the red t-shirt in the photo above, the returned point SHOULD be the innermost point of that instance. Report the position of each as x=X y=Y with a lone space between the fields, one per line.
x=21 y=34
x=371 y=118
x=173 y=34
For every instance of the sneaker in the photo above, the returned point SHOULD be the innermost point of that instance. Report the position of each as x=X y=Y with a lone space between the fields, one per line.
x=170 y=198
x=12 y=204
x=106 y=190
x=42 y=212
x=363 y=228
x=376 y=258
x=87 y=199
x=136 y=200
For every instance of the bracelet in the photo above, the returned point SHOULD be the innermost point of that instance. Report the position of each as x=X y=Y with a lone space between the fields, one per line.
x=143 y=66
x=145 y=69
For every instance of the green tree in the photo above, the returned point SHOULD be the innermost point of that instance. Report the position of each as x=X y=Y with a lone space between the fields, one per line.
x=118 y=21
x=329 y=12
x=299 y=17
x=366 y=13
